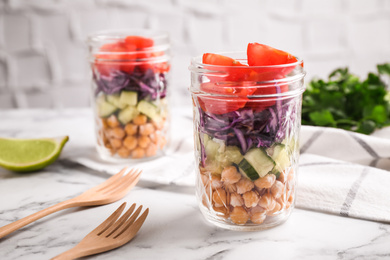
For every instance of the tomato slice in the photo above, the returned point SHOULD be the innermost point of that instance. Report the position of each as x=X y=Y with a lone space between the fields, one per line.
x=235 y=70
x=139 y=41
x=264 y=55
x=107 y=62
x=220 y=105
x=217 y=59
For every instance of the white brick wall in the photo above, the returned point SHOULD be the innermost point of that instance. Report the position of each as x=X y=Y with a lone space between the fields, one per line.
x=43 y=53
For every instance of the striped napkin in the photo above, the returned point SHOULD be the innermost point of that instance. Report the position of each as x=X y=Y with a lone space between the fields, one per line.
x=345 y=173
x=340 y=172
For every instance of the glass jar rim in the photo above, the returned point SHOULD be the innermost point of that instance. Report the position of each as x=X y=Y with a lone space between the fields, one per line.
x=196 y=62
x=97 y=39
x=198 y=69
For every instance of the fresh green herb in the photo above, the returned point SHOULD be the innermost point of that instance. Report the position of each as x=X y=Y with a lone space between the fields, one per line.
x=348 y=103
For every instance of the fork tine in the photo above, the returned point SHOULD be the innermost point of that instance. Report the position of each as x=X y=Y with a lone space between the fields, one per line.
x=126 y=183
x=120 y=222
x=114 y=216
x=132 y=230
x=111 y=179
x=128 y=223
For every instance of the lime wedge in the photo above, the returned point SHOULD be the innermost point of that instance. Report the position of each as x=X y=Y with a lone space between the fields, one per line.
x=24 y=155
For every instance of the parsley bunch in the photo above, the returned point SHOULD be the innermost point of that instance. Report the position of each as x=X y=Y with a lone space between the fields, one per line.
x=344 y=101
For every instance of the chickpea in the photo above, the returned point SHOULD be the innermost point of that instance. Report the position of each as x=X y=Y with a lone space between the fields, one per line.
x=267 y=201
x=138 y=153
x=236 y=200
x=163 y=142
x=130 y=142
x=146 y=129
x=258 y=217
x=108 y=145
x=112 y=121
x=277 y=208
x=159 y=124
x=204 y=178
x=140 y=120
x=250 y=199
x=244 y=185
x=144 y=141
x=104 y=122
x=115 y=143
x=230 y=175
x=239 y=215
x=265 y=182
x=154 y=137
x=215 y=182
x=131 y=129
x=231 y=188
x=117 y=133
x=222 y=210
x=123 y=152
x=151 y=150
x=219 y=198
x=277 y=189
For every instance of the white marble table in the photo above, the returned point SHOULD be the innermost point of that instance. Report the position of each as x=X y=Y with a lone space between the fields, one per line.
x=175 y=228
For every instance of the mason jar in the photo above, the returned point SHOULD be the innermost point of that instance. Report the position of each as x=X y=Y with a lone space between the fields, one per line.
x=130 y=77
x=246 y=130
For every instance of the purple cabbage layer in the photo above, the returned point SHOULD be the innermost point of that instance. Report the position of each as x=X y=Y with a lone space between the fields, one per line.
x=246 y=128
x=146 y=84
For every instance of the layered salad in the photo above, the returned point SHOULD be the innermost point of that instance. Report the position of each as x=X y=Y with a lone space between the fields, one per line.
x=130 y=86
x=246 y=128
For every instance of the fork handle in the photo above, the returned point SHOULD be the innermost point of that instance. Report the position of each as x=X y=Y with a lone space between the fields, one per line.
x=8 y=229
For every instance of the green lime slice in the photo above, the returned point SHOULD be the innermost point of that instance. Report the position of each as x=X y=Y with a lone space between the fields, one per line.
x=25 y=155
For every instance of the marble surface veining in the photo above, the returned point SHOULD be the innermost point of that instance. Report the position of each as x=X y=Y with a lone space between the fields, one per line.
x=174 y=229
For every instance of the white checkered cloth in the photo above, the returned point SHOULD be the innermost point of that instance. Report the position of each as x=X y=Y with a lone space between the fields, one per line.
x=340 y=172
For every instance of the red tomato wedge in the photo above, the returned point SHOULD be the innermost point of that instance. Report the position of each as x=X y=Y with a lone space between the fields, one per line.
x=140 y=42
x=121 y=61
x=233 y=69
x=264 y=55
x=221 y=105
x=217 y=59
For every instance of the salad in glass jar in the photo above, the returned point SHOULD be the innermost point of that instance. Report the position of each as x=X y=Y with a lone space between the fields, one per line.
x=130 y=79
x=247 y=109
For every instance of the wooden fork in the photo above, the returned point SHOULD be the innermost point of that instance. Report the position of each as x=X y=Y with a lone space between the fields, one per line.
x=113 y=189
x=112 y=233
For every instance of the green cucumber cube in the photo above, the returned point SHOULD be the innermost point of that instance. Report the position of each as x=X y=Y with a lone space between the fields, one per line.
x=115 y=100
x=149 y=110
x=128 y=98
x=127 y=114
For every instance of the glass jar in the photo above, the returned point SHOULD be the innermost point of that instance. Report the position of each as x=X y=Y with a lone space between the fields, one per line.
x=130 y=72
x=246 y=130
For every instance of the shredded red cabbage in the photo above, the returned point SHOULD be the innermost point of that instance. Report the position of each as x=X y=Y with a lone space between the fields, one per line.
x=146 y=84
x=245 y=128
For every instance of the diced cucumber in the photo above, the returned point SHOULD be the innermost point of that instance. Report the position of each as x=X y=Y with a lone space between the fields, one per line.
x=128 y=98
x=278 y=153
x=206 y=138
x=127 y=114
x=211 y=149
x=247 y=170
x=114 y=99
x=258 y=161
x=104 y=107
x=213 y=166
x=149 y=110
x=233 y=154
